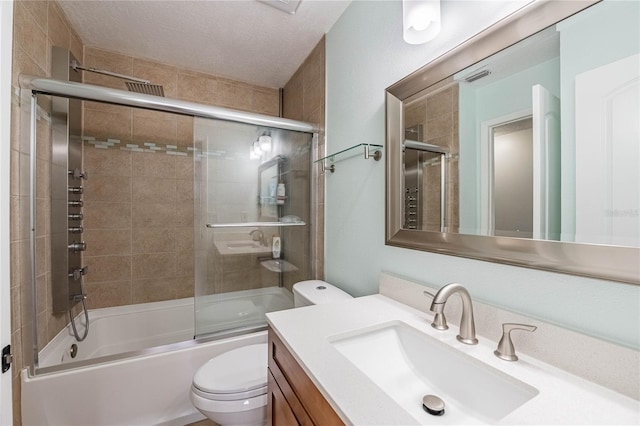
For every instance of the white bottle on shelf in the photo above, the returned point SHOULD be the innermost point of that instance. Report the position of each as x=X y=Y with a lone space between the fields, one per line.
x=280 y=194
x=275 y=247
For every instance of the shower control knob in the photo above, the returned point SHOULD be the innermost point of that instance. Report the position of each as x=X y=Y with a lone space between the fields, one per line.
x=75 y=216
x=76 y=247
x=77 y=273
x=75 y=190
x=78 y=174
x=74 y=203
x=76 y=229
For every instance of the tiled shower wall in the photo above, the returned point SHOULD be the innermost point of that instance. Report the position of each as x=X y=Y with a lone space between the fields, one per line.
x=304 y=99
x=37 y=26
x=139 y=198
x=437 y=113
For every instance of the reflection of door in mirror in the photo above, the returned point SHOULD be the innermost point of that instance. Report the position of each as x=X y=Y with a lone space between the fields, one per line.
x=607 y=111
x=513 y=178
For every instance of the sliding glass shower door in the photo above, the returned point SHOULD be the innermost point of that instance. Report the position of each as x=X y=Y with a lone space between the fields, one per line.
x=252 y=222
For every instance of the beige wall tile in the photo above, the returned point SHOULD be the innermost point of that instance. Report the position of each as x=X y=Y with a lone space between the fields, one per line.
x=233 y=94
x=157 y=215
x=151 y=240
x=23 y=64
x=103 y=125
x=38 y=10
x=184 y=167
x=59 y=34
x=155 y=130
x=154 y=190
x=108 y=268
x=107 y=294
x=102 y=162
x=108 y=188
x=29 y=35
x=107 y=215
x=185 y=131
x=154 y=265
x=75 y=45
x=158 y=165
x=197 y=87
x=153 y=290
x=104 y=242
x=266 y=102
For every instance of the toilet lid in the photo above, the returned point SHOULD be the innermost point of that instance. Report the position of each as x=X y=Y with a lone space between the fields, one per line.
x=238 y=370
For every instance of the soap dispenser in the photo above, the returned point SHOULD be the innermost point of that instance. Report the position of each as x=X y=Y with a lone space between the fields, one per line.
x=275 y=246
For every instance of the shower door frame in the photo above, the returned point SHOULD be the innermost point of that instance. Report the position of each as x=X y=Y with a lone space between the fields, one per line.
x=81 y=91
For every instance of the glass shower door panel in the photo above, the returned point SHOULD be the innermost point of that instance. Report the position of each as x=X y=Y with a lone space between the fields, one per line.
x=249 y=180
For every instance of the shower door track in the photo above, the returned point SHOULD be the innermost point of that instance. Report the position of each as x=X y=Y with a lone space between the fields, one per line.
x=50 y=86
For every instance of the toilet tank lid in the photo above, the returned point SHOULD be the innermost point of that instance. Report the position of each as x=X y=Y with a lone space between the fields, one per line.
x=238 y=370
x=319 y=292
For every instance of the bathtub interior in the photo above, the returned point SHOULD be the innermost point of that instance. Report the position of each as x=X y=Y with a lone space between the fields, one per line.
x=127 y=330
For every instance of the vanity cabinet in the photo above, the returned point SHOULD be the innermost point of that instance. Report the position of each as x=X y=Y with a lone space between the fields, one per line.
x=293 y=399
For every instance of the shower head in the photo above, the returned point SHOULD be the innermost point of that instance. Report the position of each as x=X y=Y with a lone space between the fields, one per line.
x=145 y=88
x=134 y=84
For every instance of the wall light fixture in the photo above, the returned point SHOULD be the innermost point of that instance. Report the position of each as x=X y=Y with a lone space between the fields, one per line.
x=420 y=20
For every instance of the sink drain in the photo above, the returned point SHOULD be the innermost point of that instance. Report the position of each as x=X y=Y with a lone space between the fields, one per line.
x=433 y=405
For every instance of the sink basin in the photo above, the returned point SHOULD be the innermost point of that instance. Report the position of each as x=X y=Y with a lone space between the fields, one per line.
x=408 y=364
x=242 y=245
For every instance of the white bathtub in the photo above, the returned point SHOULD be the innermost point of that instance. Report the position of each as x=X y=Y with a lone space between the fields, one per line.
x=115 y=379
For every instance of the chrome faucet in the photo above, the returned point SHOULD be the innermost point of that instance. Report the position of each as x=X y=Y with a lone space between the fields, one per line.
x=260 y=238
x=467 y=324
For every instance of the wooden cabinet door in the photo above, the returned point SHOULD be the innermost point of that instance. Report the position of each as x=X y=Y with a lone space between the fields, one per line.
x=278 y=410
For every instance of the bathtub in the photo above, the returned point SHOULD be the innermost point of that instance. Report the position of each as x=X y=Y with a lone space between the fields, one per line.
x=136 y=365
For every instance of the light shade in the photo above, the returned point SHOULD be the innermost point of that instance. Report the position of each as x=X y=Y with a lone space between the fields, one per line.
x=420 y=20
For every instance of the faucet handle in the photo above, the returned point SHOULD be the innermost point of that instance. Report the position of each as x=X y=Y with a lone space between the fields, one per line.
x=505 y=349
x=439 y=320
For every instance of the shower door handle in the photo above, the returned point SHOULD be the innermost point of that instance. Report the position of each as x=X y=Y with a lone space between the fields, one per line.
x=255 y=224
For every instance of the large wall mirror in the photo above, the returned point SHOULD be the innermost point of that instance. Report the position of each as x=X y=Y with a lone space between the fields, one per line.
x=522 y=145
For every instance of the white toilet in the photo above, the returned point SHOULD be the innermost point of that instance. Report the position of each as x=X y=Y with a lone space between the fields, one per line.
x=231 y=388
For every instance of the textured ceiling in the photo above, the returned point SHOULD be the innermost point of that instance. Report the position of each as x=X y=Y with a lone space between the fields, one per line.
x=241 y=39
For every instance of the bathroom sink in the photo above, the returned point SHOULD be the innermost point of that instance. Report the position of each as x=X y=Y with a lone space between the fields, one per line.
x=242 y=245
x=407 y=364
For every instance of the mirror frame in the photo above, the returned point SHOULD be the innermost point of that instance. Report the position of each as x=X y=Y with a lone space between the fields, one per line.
x=614 y=263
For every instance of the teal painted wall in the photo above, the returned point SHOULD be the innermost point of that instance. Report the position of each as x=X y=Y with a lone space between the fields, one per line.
x=365 y=54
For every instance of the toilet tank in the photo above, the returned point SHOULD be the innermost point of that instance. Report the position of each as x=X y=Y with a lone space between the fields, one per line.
x=316 y=292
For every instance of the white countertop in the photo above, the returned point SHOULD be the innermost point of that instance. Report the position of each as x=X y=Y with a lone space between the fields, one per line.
x=563 y=398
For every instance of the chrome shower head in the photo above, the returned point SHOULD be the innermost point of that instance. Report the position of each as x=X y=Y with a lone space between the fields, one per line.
x=145 y=88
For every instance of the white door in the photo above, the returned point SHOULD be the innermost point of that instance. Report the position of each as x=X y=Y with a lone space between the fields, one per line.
x=6 y=28
x=546 y=164
x=607 y=154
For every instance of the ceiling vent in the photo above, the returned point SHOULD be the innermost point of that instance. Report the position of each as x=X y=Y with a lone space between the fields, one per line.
x=288 y=6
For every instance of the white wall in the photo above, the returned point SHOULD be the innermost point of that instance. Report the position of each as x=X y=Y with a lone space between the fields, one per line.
x=366 y=54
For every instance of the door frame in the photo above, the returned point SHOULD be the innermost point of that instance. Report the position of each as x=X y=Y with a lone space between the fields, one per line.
x=6 y=48
x=486 y=210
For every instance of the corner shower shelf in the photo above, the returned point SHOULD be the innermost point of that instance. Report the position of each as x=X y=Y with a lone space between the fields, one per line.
x=369 y=151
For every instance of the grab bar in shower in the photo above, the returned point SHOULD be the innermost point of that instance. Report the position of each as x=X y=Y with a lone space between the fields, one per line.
x=254 y=224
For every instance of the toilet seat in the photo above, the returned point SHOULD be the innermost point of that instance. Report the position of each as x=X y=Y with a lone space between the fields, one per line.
x=234 y=375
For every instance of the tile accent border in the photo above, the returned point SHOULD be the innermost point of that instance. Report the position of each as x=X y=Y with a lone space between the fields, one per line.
x=607 y=364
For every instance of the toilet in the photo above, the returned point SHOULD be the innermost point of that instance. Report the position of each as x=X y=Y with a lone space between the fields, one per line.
x=231 y=388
